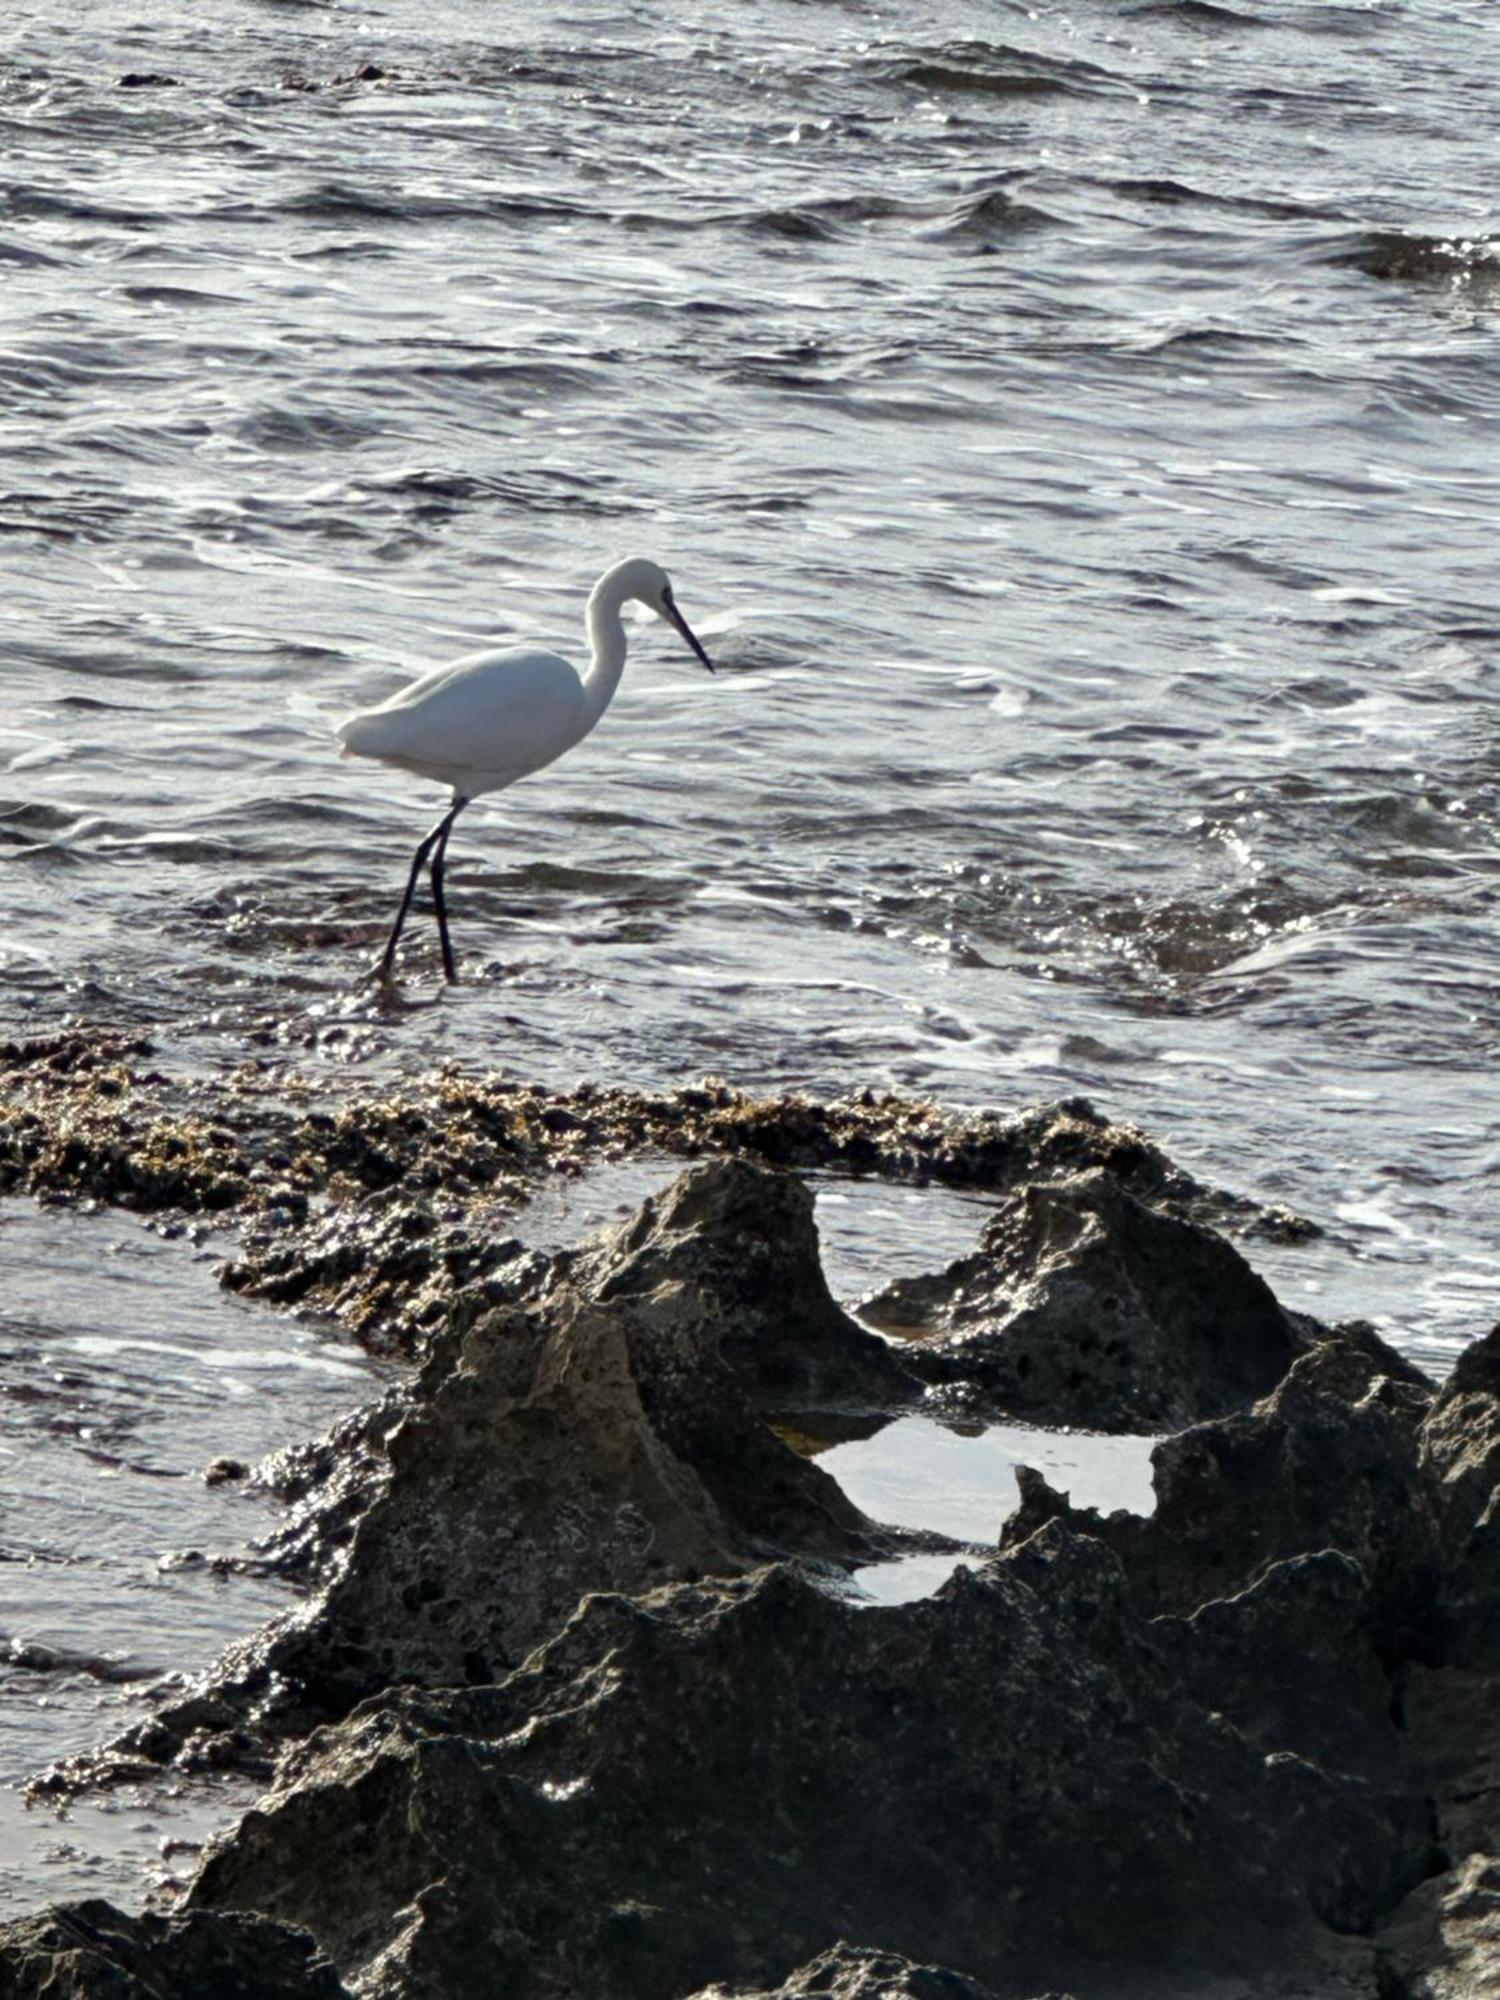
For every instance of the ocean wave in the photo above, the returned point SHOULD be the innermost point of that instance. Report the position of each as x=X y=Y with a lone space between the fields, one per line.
x=338 y=201
x=990 y=211
x=23 y=253
x=1205 y=13
x=491 y=370
x=990 y=214
x=277 y=428
x=59 y=204
x=1155 y=954
x=987 y=69
x=434 y=494
x=1167 y=193
x=1421 y=260
x=803 y=223
x=1204 y=342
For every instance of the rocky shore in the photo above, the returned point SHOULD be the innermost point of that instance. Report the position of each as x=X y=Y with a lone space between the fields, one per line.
x=579 y=1703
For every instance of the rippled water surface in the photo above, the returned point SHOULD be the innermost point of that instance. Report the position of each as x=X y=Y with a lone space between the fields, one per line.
x=1072 y=429
x=124 y=1374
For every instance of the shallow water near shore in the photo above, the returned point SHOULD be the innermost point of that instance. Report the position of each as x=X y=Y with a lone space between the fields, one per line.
x=1073 y=432
x=126 y=1374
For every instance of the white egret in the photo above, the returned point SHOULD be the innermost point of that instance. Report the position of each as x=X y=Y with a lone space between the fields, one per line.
x=487 y=719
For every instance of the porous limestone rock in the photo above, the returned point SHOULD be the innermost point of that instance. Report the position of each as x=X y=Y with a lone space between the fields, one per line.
x=744 y=1236
x=1085 y=1306
x=1013 y=1778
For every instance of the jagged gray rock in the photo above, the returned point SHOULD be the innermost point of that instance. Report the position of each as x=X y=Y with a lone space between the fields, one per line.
x=852 y=1972
x=1327 y=1461
x=1460 y=1448
x=1444 y=1943
x=744 y=1236
x=1085 y=1306
x=699 y=1784
x=92 y=1951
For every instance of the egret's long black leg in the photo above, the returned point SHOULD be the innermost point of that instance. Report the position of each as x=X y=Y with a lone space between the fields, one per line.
x=439 y=861
x=424 y=848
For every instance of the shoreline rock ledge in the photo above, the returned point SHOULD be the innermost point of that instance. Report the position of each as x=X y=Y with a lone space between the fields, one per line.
x=581 y=1710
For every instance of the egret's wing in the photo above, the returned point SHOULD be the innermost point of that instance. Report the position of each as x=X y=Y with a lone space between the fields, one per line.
x=495 y=713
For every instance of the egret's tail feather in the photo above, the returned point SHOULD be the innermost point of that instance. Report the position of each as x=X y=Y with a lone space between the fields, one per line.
x=361 y=736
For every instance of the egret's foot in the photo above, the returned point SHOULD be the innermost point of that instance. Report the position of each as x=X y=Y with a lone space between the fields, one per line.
x=381 y=973
x=382 y=976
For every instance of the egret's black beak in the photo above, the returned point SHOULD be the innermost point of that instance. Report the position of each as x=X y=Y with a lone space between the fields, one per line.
x=675 y=617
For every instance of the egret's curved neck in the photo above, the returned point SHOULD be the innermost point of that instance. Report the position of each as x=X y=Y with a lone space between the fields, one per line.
x=606 y=632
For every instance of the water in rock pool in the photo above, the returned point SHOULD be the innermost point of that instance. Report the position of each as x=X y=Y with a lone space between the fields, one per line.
x=1072 y=431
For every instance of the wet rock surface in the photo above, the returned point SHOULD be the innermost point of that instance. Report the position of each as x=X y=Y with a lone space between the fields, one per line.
x=575 y=1705
x=381 y=1205
x=596 y=1430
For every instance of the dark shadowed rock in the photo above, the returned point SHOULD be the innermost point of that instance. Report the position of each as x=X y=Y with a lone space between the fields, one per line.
x=1306 y=1470
x=1477 y=1368
x=1291 y=1662
x=1349 y=1359
x=92 y=1951
x=1452 y=1720
x=1293 y=1556
x=531 y=1474
x=577 y=1448
x=701 y=1784
x=773 y=1501
x=744 y=1236
x=1443 y=1943
x=1403 y=1381
x=850 y=1972
x=571 y=1740
x=1460 y=1448
x=1085 y=1306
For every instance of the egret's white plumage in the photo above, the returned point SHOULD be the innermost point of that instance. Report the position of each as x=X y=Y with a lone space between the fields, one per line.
x=483 y=721
x=478 y=724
